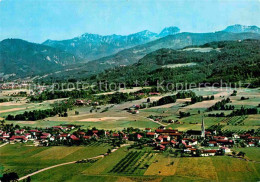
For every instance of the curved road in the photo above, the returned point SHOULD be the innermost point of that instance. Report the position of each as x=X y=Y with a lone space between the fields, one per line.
x=66 y=163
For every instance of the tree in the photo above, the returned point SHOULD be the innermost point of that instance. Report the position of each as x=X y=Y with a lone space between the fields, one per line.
x=10 y=177
x=28 y=179
x=241 y=154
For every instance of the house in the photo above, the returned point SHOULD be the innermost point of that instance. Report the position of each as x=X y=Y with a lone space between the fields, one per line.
x=33 y=132
x=251 y=144
x=48 y=135
x=3 y=139
x=194 y=133
x=154 y=93
x=74 y=138
x=236 y=136
x=139 y=136
x=212 y=143
x=81 y=133
x=190 y=151
x=148 y=129
x=223 y=142
x=190 y=141
x=159 y=139
x=95 y=131
x=28 y=135
x=87 y=137
x=95 y=136
x=161 y=147
x=166 y=131
x=6 y=135
x=176 y=135
x=220 y=138
x=18 y=139
x=151 y=134
x=57 y=127
x=226 y=149
x=206 y=153
x=63 y=136
x=79 y=102
x=174 y=143
x=115 y=135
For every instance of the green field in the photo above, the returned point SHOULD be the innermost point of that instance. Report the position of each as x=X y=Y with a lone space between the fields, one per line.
x=119 y=167
x=24 y=159
x=169 y=111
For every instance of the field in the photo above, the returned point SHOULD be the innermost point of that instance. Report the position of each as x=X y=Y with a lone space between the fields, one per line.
x=116 y=117
x=24 y=158
x=160 y=168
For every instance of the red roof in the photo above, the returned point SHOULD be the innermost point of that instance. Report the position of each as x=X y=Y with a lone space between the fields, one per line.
x=166 y=131
x=150 y=133
x=162 y=147
x=154 y=93
x=115 y=135
x=43 y=137
x=63 y=135
x=212 y=142
x=46 y=134
x=60 y=127
x=165 y=143
x=95 y=131
x=175 y=134
x=87 y=137
x=73 y=137
x=173 y=142
x=33 y=130
x=224 y=141
x=82 y=133
x=209 y=151
x=18 y=137
x=253 y=137
x=139 y=136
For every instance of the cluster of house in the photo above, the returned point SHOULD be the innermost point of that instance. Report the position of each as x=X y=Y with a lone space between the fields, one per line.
x=86 y=102
x=36 y=135
x=134 y=109
x=189 y=142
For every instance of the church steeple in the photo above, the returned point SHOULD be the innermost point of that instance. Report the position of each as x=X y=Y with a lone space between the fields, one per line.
x=202 y=128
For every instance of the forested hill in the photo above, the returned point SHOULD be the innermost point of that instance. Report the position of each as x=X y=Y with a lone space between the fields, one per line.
x=132 y=55
x=23 y=58
x=230 y=61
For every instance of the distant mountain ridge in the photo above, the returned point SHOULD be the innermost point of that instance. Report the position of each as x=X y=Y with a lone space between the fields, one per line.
x=237 y=28
x=93 y=46
x=23 y=58
x=132 y=55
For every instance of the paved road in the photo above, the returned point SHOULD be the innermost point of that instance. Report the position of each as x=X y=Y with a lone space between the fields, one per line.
x=3 y=145
x=66 y=163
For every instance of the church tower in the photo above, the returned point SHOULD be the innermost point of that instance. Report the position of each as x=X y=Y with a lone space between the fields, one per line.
x=202 y=128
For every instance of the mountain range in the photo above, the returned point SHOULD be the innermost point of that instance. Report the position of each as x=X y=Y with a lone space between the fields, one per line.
x=132 y=55
x=93 y=46
x=23 y=58
x=90 y=54
x=242 y=28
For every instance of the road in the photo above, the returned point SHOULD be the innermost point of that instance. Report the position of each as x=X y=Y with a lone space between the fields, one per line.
x=66 y=163
x=3 y=145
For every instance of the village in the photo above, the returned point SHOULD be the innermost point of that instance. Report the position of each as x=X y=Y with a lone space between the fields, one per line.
x=190 y=143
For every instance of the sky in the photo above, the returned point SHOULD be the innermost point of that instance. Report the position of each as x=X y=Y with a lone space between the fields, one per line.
x=39 y=20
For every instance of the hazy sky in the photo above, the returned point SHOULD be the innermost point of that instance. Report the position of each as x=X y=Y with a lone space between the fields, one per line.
x=38 y=20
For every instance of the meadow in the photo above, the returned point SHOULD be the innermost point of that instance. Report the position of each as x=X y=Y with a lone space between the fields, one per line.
x=25 y=158
x=115 y=117
x=120 y=166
